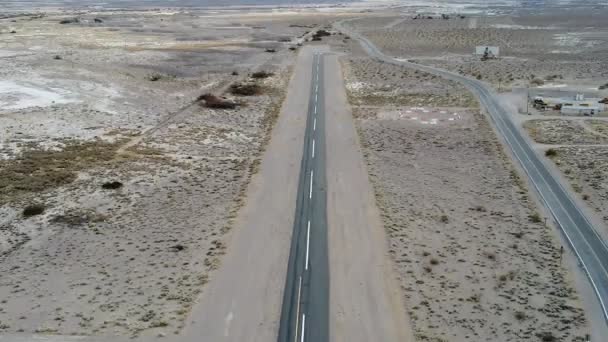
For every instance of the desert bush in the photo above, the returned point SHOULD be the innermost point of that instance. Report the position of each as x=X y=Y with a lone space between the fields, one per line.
x=177 y=248
x=70 y=21
x=551 y=152
x=537 y=82
x=245 y=89
x=535 y=217
x=444 y=218
x=320 y=33
x=111 y=185
x=261 y=74
x=154 y=77
x=33 y=210
x=216 y=102
x=547 y=336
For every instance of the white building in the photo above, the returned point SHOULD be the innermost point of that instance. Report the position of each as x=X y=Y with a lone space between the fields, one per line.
x=581 y=109
x=579 y=105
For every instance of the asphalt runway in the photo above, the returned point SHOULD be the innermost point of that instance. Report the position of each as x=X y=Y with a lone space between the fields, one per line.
x=305 y=311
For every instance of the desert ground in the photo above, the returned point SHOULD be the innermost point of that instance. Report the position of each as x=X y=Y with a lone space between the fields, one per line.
x=553 y=48
x=120 y=181
x=128 y=140
x=473 y=254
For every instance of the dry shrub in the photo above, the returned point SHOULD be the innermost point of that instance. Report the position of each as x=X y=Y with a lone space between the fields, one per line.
x=319 y=34
x=245 y=89
x=216 y=102
x=261 y=74
x=39 y=170
x=33 y=210
x=112 y=185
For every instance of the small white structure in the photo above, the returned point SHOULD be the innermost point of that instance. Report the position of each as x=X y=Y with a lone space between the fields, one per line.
x=581 y=106
x=489 y=51
x=570 y=109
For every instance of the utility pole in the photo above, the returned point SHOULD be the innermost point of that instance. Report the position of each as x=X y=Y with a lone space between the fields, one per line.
x=527 y=100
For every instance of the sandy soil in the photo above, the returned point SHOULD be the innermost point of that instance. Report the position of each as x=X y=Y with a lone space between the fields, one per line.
x=569 y=132
x=475 y=260
x=117 y=104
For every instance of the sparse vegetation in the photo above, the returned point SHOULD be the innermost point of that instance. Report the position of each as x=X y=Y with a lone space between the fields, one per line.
x=551 y=152
x=261 y=74
x=33 y=210
x=537 y=82
x=546 y=336
x=70 y=21
x=245 y=89
x=37 y=170
x=317 y=36
x=535 y=217
x=112 y=185
x=155 y=77
x=216 y=102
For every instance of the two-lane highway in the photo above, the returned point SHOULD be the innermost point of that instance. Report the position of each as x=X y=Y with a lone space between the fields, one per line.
x=589 y=247
x=304 y=314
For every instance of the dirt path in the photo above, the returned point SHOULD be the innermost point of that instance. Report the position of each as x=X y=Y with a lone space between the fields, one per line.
x=365 y=301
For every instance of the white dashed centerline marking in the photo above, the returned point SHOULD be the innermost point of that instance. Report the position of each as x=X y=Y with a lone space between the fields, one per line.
x=307 y=245
x=315 y=109
x=311 y=178
x=313 y=148
x=298 y=308
x=303 y=327
x=314 y=124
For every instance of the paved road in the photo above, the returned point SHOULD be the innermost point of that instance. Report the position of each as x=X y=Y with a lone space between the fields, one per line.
x=589 y=247
x=304 y=316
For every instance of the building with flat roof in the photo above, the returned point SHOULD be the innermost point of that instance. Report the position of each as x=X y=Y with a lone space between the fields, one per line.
x=575 y=105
